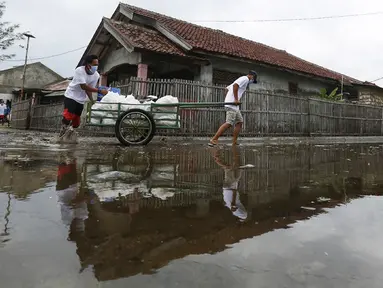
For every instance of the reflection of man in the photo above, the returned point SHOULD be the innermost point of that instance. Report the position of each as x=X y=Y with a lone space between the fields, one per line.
x=67 y=193
x=230 y=186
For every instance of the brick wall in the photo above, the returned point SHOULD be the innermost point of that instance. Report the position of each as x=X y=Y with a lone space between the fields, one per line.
x=370 y=96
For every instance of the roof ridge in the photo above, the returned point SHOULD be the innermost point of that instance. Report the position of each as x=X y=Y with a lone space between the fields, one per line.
x=152 y=30
x=327 y=69
x=142 y=10
x=203 y=27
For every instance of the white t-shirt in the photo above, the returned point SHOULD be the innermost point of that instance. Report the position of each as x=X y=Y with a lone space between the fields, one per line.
x=74 y=90
x=242 y=82
x=240 y=212
x=2 y=109
x=69 y=212
x=232 y=177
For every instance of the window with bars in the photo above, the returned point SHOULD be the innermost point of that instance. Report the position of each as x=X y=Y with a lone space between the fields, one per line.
x=293 y=88
x=225 y=77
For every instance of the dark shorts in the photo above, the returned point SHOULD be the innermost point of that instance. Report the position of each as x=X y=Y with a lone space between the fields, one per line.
x=72 y=112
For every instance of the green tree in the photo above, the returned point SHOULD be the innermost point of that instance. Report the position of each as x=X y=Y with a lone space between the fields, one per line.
x=8 y=34
x=333 y=96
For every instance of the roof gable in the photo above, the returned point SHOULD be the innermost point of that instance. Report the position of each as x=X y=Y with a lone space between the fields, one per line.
x=35 y=64
x=37 y=75
x=145 y=38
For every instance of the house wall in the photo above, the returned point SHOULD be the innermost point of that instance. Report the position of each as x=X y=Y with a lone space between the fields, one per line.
x=268 y=78
x=205 y=75
x=35 y=77
x=6 y=96
x=162 y=66
x=116 y=58
x=169 y=67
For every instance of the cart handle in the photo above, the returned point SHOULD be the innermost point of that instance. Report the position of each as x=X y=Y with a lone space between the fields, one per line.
x=196 y=104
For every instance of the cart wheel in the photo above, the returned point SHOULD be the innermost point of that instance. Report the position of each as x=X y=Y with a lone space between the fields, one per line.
x=135 y=127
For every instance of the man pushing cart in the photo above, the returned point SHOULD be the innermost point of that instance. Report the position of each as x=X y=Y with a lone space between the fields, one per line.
x=136 y=123
x=83 y=84
x=233 y=114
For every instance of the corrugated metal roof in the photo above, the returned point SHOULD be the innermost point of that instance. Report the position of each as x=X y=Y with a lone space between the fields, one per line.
x=55 y=94
x=61 y=85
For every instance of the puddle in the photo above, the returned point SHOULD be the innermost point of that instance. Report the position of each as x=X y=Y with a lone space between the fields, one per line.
x=277 y=216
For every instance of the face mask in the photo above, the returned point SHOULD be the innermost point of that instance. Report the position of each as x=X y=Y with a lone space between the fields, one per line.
x=93 y=69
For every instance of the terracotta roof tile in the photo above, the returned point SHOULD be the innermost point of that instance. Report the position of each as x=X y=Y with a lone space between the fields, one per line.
x=211 y=40
x=145 y=38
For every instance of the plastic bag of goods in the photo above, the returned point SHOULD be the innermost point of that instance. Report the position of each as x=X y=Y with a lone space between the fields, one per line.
x=106 y=104
x=168 y=99
x=100 y=106
x=110 y=103
x=110 y=120
x=166 y=119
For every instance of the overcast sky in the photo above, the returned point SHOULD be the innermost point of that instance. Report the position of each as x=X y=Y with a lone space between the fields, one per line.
x=352 y=46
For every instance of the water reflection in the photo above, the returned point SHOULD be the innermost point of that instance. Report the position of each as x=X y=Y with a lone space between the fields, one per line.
x=130 y=212
x=73 y=206
x=233 y=174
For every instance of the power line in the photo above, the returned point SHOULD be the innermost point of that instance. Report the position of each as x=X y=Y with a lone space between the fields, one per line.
x=227 y=21
x=376 y=80
x=292 y=19
x=46 y=57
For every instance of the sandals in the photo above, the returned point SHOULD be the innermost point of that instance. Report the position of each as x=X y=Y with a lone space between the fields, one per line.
x=212 y=143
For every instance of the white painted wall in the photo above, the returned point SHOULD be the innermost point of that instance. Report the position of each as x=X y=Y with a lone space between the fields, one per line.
x=36 y=76
x=119 y=57
x=206 y=74
x=6 y=97
x=272 y=79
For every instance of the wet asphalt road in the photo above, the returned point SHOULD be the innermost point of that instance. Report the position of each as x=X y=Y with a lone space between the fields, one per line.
x=189 y=216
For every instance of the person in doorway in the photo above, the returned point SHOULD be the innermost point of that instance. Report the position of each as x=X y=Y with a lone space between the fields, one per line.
x=3 y=108
x=234 y=117
x=82 y=86
x=230 y=191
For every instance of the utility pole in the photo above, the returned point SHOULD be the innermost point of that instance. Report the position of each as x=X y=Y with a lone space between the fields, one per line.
x=25 y=63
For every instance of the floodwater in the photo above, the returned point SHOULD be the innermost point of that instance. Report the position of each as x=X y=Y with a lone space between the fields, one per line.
x=191 y=216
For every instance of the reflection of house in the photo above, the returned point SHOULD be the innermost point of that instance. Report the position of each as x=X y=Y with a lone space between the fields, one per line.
x=37 y=76
x=150 y=238
x=35 y=173
x=141 y=43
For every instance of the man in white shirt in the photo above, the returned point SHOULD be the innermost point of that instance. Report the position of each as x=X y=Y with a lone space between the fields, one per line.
x=82 y=86
x=233 y=115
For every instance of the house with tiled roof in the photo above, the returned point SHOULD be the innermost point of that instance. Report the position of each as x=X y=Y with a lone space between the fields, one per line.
x=141 y=43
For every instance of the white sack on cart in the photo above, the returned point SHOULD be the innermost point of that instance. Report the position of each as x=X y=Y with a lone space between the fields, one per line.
x=110 y=102
x=163 y=118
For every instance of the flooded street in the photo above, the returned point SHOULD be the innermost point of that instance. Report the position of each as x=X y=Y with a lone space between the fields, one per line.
x=191 y=216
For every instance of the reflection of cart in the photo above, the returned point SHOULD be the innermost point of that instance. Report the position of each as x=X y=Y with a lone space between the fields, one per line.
x=137 y=126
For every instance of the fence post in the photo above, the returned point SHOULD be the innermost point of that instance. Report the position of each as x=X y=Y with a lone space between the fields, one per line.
x=267 y=112
x=361 y=123
x=309 y=117
x=28 y=122
x=381 y=122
